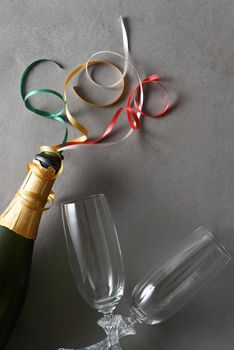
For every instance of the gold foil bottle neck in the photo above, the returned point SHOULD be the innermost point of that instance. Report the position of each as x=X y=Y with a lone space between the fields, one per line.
x=24 y=212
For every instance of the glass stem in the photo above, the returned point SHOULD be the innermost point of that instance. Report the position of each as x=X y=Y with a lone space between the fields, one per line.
x=116 y=347
x=111 y=323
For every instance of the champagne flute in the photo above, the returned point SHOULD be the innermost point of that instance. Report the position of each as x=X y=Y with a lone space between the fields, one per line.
x=192 y=265
x=95 y=258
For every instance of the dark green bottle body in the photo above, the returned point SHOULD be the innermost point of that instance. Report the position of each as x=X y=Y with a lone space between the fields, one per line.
x=15 y=264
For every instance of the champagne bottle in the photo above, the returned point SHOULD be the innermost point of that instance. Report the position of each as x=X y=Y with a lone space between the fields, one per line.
x=19 y=225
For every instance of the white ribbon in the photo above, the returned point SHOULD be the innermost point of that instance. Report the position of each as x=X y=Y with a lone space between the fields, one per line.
x=127 y=64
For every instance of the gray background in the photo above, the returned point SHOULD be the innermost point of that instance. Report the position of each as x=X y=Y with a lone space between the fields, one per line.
x=164 y=181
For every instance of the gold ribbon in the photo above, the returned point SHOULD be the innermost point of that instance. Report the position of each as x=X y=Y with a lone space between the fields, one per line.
x=71 y=119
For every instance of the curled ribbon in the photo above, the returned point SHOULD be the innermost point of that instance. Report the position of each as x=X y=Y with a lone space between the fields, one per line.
x=133 y=108
x=43 y=113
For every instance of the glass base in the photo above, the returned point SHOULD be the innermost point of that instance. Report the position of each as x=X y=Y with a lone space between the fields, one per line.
x=116 y=328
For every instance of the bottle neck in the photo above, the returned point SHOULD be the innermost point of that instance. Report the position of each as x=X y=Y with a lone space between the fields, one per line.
x=24 y=212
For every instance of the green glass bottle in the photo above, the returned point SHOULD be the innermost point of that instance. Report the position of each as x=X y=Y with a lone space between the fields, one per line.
x=19 y=224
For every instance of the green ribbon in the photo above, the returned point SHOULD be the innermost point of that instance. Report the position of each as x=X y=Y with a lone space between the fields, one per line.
x=43 y=113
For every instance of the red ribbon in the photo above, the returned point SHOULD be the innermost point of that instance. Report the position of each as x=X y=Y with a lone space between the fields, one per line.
x=133 y=119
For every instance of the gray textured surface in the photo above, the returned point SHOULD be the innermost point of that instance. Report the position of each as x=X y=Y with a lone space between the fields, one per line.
x=161 y=183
